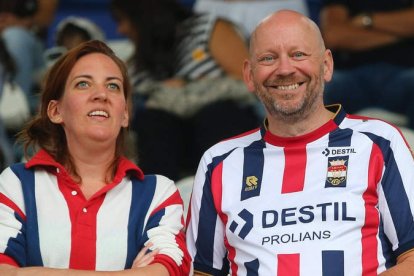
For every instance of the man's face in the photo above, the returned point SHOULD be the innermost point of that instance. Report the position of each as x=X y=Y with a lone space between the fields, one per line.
x=288 y=68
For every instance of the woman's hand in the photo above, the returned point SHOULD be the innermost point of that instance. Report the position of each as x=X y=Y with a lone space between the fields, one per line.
x=145 y=256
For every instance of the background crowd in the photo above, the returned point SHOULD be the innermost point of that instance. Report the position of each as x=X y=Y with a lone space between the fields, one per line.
x=184 y=59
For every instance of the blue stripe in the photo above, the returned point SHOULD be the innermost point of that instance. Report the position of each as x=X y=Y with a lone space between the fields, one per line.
x=396 y=197
x=386 y=246
x=31 y=240
x=208 y=216
x=252 y=267
x=252 y=167
x=142 y=195
x=16 y=247
x=340 y=138
x=332 y=263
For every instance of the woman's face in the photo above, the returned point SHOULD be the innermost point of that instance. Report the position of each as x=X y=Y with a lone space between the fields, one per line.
x=93 y=107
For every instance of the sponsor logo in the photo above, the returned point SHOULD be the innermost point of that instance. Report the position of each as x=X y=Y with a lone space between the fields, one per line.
x=247 y=218
x=279 y=219
x=251 y=183
x=337 y=151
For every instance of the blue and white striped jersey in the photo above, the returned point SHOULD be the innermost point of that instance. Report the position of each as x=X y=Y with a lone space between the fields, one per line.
x=336 y=201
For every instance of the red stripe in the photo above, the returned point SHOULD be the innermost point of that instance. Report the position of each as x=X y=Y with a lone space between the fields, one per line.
x=370 y=229
x=288 y=264
x=4 y=259
x=216 y=187
x=174 y=199
x=83 y=232
x=294 y=173
x=6 y=201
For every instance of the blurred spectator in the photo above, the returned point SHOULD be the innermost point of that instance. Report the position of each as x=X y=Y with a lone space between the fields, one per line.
x=373 y=47
x=20 y=23
x=186 y=71
x=70 y=32
x=247 y=13
x=6 y=153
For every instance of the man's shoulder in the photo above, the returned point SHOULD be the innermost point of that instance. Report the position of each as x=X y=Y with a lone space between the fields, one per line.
x=242 y=140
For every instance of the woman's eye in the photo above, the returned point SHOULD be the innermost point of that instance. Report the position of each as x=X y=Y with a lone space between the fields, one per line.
x=82 y=84
x=113 y=86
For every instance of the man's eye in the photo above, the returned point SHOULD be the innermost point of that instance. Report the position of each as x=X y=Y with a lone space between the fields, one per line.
x=298 y=55
x=266 y=60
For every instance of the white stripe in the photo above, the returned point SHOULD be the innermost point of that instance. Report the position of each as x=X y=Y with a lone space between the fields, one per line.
x=163 y=236
x=53 y=220
x=112 y=228
x=10 y=227
x=11 y=187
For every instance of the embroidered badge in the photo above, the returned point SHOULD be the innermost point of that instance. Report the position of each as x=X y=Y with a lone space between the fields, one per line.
x=337 y=171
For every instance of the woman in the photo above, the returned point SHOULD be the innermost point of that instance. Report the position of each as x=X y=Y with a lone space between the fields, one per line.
x=186 y=72
x=79 y=204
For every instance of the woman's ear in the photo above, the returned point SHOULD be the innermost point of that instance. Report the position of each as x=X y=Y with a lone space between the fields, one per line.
x=53 y=112
x=125 y=118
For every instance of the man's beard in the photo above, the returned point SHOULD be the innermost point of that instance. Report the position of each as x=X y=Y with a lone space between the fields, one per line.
x=291 y=112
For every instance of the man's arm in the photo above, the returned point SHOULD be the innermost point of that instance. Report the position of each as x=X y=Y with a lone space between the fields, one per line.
x=404 y=267
x=8 y=270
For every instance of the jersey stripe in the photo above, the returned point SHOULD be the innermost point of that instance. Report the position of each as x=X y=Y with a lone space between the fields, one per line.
x=288 y=264
x=252 y=267
x=370 y=229
x=333 y=263
x=112 y=228
x=140 y=193
x=295 y=167
x=253 y=166
x=32 y=234
x=396 y=196
x=7 y=202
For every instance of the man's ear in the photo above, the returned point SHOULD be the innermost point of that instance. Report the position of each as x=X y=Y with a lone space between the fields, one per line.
x=247 y=75
x=328 y=65
x=53 y=112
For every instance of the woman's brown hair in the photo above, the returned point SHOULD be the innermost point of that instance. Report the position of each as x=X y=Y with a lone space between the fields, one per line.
x=41 y=133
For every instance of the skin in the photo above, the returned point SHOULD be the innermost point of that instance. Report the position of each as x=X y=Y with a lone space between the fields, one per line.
x=226 y=44
x=388 y=28
x=287 y=69
x=94 y=84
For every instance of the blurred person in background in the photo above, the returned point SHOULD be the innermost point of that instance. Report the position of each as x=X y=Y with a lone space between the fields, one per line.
x=70 y=32
x=186 y=72
x=23 y=25
x=373 y=48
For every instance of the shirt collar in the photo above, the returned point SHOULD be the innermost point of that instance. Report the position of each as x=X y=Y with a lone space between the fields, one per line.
x=44 y=159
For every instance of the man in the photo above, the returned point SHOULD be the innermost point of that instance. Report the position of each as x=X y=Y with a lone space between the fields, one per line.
x=314 y=191
x=373 y=46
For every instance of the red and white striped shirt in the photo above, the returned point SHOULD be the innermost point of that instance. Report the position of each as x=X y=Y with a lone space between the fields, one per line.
x=336 y=201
